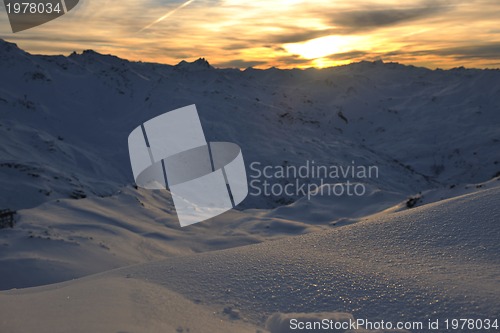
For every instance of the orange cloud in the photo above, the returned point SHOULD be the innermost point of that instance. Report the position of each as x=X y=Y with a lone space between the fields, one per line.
x=281 y=33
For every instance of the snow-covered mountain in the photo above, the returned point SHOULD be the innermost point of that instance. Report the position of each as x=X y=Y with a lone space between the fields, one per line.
x=435 y=262
x=65 y=169
x=65 y=121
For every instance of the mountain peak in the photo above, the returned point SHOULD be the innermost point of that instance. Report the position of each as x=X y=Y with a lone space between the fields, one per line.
x=86 y=54
x=202 y=62
x=90 y=52
x=7 y=47
x=199 y=64
x=91 y=56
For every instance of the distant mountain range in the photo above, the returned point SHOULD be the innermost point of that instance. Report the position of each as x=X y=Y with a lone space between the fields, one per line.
x=64 y=121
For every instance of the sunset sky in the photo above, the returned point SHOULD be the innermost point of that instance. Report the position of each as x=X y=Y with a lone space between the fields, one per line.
x=281 y=33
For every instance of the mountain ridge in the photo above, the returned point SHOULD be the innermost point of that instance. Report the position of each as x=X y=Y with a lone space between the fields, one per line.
x=424 y=128
x=205 y=63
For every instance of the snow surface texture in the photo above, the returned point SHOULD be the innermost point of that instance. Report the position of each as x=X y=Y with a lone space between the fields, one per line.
x=64 y=123
x=436 y=261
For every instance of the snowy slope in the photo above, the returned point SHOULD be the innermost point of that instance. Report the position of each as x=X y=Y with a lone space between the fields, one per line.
x=432 y=262
x=64 y=165
x=65 y=121
x=68 y=238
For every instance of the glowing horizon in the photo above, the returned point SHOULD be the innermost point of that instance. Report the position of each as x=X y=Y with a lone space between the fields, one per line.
x=279 y=33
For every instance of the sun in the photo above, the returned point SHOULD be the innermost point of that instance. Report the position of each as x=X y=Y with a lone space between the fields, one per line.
x=324 y=46
x=325 y=62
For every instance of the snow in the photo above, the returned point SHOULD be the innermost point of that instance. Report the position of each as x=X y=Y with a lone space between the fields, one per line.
x=111 y=305
x=435 y=261
x=107 y=256
x=66 y=120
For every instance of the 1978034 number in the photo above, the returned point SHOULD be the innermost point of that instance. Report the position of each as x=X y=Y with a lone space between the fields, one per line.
x=33 y=8
x=471 y=324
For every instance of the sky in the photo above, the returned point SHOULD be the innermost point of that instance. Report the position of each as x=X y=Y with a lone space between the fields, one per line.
x=279 y=33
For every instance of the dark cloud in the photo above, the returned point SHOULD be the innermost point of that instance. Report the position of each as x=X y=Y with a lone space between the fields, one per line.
x=348 y=55
x=480 y=51
x=293 y=60
x=50 y=40
x=187 y=51
x=236 y=46
x=356 y=20
x=239 y=63
x=300 y=35
x=483 y=51
x=488 y=54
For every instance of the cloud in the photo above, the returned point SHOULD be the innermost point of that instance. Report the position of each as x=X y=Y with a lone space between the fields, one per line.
x=358 y=20
x=293 y=60
x=300 y=35
x=349 y=55
x=349 y=21
x=239 y=63
x=236 y=46
x=482 y=51
x=238 y=33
